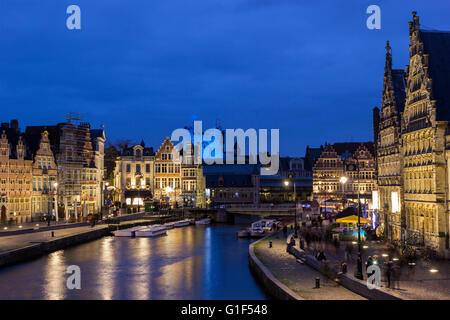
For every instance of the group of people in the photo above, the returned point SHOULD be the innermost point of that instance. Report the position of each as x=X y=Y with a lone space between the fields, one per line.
x=313 y=238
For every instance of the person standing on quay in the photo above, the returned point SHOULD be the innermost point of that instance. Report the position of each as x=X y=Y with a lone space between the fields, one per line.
x=388 y=271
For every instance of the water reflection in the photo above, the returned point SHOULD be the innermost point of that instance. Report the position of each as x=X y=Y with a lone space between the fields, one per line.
x=107 y=269
x=55 y=276
x=195 y=262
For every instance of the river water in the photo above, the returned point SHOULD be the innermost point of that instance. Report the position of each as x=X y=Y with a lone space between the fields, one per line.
x=194 y=262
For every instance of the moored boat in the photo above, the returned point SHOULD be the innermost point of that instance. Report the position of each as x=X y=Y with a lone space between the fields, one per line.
x=129 y=232
x=152 y=231
x=181 y=223
x=258 y=229
x=203 y=221
x=169 y=225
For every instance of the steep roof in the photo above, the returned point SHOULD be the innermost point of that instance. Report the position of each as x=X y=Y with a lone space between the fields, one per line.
x=54 y=135
x=437 y=45
x=351 y=147
x=398 y=80
x=97 y=133
x=13 y=135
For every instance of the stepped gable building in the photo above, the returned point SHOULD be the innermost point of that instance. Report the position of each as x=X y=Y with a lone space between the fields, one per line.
x=134 y=175
x=332 y=165
x=15 y=175
x=425 y=129
x=388 y=148
x=311 y=156
x=168 y=174
x=79 y=185
x=45 y=174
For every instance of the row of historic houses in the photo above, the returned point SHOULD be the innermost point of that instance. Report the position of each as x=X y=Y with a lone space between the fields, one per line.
x=413 y=143
x=50 y=171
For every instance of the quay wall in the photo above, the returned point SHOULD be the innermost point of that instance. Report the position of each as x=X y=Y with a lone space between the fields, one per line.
x=355 y=285
x=33 y=251
x=272 y=286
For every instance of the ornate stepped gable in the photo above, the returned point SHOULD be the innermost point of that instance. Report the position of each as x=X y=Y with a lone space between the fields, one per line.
x=392 y=105
x=428 y=78
x=424 y=126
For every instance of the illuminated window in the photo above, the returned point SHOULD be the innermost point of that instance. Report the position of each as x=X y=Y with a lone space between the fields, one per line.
x=395 y=202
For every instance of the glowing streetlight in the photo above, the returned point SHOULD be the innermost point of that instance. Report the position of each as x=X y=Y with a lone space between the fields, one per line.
x=286 y=183
x=56 y=200
x=343 y=180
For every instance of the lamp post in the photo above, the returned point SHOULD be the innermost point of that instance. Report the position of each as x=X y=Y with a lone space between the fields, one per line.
x=286 y=183
x=105 y=196
x=56 y=200
x=169 y=190
x=343 y=180
x=355 y=167
x=422 y=218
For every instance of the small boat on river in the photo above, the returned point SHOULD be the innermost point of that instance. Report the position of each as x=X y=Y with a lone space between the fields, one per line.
x=203 y=221
x=182 y=223
x=129 y=232
x=258 y=229
x=152 y=231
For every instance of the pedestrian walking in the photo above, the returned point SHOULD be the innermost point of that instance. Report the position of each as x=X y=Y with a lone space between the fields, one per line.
x=285 y=230
x=348 y=251
x=388 y=272
x=302 y=244
x=396 y=273
x=369 y=262
x=336 y=244
x=321 y=256
x=308 y=239
x=343 y=267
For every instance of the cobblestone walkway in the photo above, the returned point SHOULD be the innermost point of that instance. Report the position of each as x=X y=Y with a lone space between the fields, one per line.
x=298 y=277
x=417 y=284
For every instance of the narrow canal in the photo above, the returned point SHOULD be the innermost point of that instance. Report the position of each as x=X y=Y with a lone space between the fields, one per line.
x=195 y=262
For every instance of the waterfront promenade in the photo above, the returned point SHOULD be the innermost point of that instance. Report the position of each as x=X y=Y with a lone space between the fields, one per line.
x=298 y=277
x=418 y=283
x=19 y=241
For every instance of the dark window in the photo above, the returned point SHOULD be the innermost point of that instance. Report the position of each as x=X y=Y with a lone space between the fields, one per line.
x=147 y=168
x=128 y=168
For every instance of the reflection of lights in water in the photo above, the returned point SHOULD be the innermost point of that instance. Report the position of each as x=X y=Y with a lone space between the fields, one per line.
x=385 y=255
x=55 y=276
x=141 y=269
x=179 y=276
x=107 y=269
x=208 y=255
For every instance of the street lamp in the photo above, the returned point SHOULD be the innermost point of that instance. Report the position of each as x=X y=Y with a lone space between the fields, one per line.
x=286 y=183
x=56 y=200
x=343 y=180
x=355 y=167
x=169 y=190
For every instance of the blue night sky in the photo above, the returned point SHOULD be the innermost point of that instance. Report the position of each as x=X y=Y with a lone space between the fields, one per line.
x=146 y=67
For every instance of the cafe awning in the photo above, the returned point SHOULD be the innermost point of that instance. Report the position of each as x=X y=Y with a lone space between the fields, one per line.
x=352 y=219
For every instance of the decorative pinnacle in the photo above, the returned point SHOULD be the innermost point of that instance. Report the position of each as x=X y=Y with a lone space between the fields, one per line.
x=388 y=47
x=414 y=13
